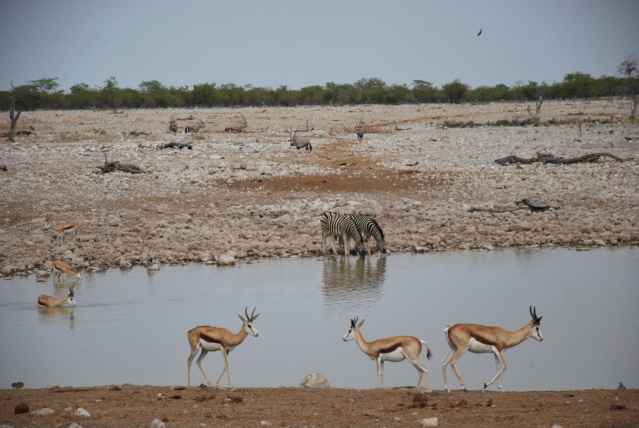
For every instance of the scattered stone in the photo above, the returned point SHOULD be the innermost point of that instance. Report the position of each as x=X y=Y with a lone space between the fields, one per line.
x=82 y=412
x=430 y=422
x=266 y=423
x=226 y=260
x=157 y=424
x=314 y=380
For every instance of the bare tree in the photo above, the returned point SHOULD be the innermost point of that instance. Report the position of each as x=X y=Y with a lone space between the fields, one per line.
x=629 y=68
x=535 y=116
x=13 y=116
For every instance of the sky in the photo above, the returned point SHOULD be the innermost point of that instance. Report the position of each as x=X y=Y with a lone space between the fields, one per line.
x=299 y=43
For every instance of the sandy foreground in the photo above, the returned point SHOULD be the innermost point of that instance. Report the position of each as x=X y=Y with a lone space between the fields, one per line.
x=133 y=406
x=250 y=195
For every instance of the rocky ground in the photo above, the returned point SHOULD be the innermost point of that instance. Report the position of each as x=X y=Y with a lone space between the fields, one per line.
x=157 y=406
x=427 y=173
x=422 y=171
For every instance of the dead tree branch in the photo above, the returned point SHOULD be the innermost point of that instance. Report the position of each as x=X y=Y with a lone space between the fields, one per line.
x=174 y=145
x=519 y=205
x=552 y=159
x=117 y=166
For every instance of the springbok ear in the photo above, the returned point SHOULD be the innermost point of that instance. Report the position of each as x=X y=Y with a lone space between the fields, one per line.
x=255 y=317
x=241 y=317
x=538 y=320
x=361 y=323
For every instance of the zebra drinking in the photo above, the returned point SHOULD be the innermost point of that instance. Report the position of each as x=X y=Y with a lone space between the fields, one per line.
x=368 y=227
x=338 y=225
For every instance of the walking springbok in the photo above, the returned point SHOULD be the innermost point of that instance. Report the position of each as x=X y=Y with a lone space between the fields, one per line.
x=394 y=349
x=481 y=339
x=211 y=339
x=51 y=302
x=60 y=268
x=62 y=228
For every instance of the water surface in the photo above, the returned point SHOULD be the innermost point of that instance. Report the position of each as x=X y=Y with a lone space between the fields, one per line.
x=131 y=327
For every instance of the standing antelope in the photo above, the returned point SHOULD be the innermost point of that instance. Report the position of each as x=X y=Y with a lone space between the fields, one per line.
x=300 y=142
x=60 y=268
x=193 y=126
x=211 y=339
x=173 y=125
x=359 y=130
x=51 y=302
x=394 y=349
x=62 y=228
x=481 y=339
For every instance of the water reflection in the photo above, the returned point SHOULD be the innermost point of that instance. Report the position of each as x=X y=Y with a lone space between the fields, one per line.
x=58 y=315
x=345 y=280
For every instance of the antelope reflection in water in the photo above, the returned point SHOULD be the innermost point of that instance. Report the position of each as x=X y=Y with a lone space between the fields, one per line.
x=344 y=279
x=58 y=315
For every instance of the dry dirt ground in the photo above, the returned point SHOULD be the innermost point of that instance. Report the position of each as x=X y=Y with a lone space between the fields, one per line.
x=139 y=406
x=250 y=195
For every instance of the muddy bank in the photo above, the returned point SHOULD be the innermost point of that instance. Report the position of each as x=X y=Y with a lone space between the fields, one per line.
x=427 y=173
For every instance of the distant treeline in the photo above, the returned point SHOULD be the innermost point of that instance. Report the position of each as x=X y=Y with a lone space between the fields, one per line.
x=45 y=94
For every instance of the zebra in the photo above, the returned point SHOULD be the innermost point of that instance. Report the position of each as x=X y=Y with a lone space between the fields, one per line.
x=337 y=225
x=368 y=227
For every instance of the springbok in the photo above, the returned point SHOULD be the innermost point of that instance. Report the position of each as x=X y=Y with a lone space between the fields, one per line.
x=62 y=228
x=211 y=339
x=481 y=339
x=51 y=302
x=60 y=268
x=300 y=142
x=394 y=349
x=152 y=265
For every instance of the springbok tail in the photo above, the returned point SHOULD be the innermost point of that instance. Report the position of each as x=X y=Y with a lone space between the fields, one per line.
x=428 y=353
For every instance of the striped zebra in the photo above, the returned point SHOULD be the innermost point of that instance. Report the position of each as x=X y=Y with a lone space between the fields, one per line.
x=341 y=226
x=368 y=227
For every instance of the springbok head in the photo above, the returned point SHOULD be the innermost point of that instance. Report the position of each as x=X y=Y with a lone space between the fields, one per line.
x=248 y=326
x=534 y=324
x=351 y=331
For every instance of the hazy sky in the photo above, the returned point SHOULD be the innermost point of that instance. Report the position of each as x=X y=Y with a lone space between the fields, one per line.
x=302 y=43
